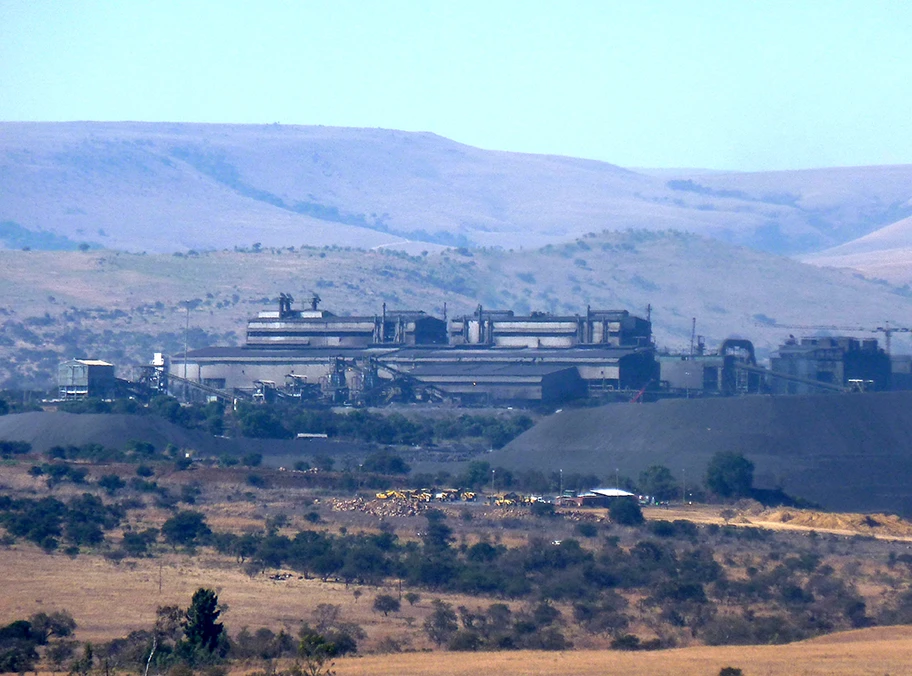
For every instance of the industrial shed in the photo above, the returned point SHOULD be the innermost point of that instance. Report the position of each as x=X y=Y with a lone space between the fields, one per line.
x=597 y=497
x=502 y=382
x=320 y=328
x=240 y=367
x=601 y=368
x=82 y=378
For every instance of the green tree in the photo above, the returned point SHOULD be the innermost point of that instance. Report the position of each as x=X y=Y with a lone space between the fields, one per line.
x=83 y=665
x=386 y=604
x=441 y=625
x=323 y=463
x=111 y=483
x=59 y=624
x=261 y=423
x=626 y=512
x=437 y=536
x=252 y=460
x=658 y=482
x=730 y=475
x=202 y=631
x=384 y=462
x=17 y=647
x=185 y=528
x=315 y=651
x=477 y=475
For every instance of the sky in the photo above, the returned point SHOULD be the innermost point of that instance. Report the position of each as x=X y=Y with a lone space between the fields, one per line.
x=728 y=85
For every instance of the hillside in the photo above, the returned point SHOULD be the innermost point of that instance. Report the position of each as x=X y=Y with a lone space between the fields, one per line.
x=846 y=452
x=160 y=187
x=845 y=202
x=885 y=253
x=123 y=307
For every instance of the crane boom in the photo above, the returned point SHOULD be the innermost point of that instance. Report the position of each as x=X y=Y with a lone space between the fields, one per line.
x=886 y=329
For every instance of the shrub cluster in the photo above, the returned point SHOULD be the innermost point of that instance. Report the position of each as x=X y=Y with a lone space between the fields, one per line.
x=20 y=640
x=81 y=522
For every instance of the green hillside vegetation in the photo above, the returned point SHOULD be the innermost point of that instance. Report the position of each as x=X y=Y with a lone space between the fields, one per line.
x=14 y=236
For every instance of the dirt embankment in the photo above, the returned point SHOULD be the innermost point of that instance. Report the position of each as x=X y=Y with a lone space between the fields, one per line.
x=752 y=513
x=46 y=429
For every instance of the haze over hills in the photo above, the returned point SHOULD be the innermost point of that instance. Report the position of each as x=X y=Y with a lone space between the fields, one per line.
x=885 y=253
x=160 y=187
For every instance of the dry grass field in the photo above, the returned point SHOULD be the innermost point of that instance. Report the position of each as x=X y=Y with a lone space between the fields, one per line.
x=108 y=600
x=882 y=651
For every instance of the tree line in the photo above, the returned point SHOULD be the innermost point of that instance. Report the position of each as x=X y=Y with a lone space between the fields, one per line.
x=281 y=420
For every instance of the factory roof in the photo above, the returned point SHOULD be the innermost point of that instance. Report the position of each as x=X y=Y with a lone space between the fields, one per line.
x=509 y=315
x=430 y=353
x=283 y=352
x=317 y=316
x=487 y=369
x=612 y=492
x=92 y=362
x=530 y=353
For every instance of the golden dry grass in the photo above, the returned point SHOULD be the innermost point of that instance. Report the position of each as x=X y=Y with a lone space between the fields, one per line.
x=872 y=651
x=109 y=600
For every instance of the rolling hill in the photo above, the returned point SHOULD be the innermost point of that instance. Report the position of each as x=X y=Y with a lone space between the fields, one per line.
x=123 y=307
x=885 y=253
x=160 y=187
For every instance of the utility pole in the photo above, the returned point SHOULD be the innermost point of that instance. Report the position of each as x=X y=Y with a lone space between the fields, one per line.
x=186 y=338
x=683 y=486
x=693 y=334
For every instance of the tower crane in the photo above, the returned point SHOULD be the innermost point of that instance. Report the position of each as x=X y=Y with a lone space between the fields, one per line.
x=886 y=329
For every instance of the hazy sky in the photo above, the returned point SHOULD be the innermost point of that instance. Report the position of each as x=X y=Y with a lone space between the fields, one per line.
x=734 y=84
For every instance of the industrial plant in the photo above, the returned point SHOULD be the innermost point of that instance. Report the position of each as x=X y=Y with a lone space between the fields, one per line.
x=489 y=357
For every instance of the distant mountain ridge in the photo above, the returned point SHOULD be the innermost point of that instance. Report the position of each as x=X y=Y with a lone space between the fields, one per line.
x=885 y=253
x=162 y=187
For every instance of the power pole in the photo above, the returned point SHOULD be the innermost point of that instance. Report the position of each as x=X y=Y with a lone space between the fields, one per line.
x=186 y=339
x=693 y=334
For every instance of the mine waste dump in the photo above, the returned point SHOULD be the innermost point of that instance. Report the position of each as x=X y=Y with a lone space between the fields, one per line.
x=848 y=452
